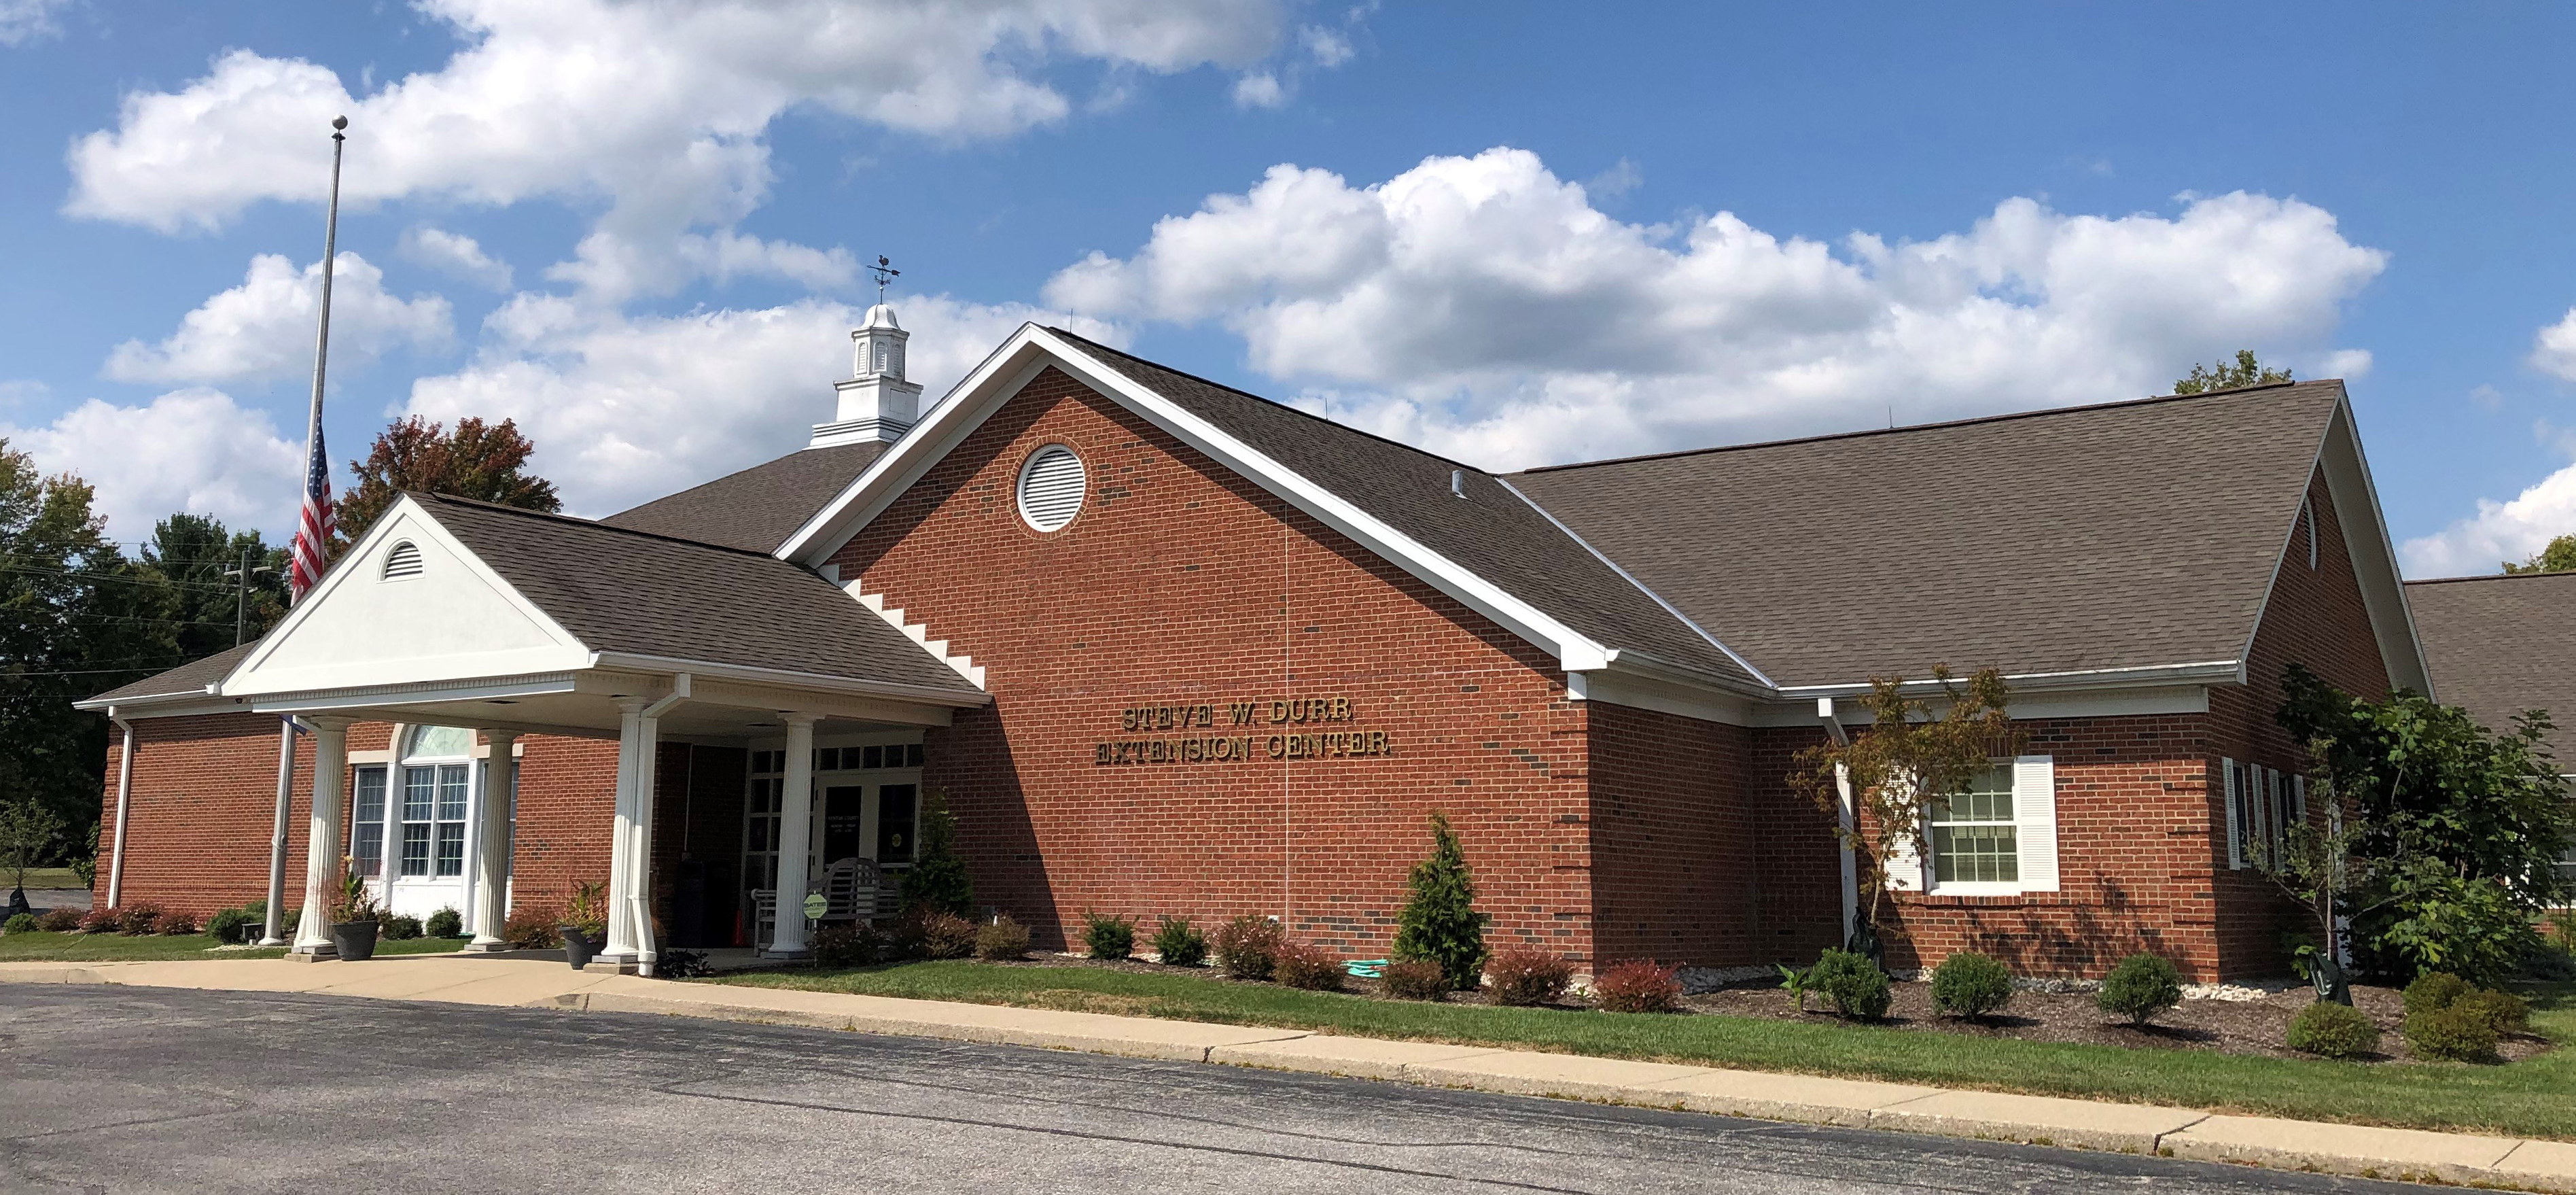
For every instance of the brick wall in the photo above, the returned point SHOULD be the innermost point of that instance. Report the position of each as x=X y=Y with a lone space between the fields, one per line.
x=1183 y=585
x=1675 y=844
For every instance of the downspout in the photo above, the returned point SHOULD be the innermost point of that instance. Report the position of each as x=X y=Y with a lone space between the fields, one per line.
x=124 y=797
x=1843 y=789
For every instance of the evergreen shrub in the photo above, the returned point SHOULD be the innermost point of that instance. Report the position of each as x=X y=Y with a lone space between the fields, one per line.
x=23 y=923
x=447 y=923
x=1638 y=985
x=1248 y=946
x=1180 y=944
x=1852 y=986
x=1969 y=984
x=847 y=944
x=2141 y=986
x=2435 y=989
x=1525 y=978
x=1415 y=979
x=1108 y=936
x=2331 y=1030
x=1308 y=966
x=1439 y=922
x=2456 y=1033
x=2503 y=1012
x=399 y=928
x=232 y=926
x=1003 y=940
x=938 y=879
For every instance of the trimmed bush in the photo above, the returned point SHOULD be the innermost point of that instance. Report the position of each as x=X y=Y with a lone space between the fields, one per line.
x=174 y=924
x=1638 y=985
x=1108 y=936
x=1003 y=940
x=102 y=921
x=59 y=921
x=1852 y=985
x=2140 y=987
x=675 y=963
x=1524 y=978
x=23 y=923
x=137 y=919
x=1415 y=979
x=2435 y=989
x=448 y=923
x=399 y=928
x=1439 y=922
x=947 y=935
x=228 y=926
x=847 y=944
x=2503 y=1012
x=532 y=928
x=2453 y=1034
x=1969 y=984
x=1179 y=943
x=1308 y=966
x=1248 y=946
x=2331 y=1030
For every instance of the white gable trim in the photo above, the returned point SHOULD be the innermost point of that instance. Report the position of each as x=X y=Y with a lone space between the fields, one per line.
x=2365 y=538
x=1031 y=349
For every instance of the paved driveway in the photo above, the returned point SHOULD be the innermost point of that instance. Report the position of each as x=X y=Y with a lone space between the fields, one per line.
x=151 y=1090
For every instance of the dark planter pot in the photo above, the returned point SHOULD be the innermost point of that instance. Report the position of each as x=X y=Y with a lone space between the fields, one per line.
x=356 y=940
x=578 y=948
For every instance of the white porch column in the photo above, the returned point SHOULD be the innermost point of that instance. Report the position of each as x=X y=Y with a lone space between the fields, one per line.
x=322 y=847
x=795 y=838
x=492 y=846
x=623 y=867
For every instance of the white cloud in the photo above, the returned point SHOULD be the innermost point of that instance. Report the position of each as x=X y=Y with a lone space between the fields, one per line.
x=264 y=327
x=193 y=450
x=624 y=409
x=454 y=254
x=2500 y=531
x=24 y=21
x=2553 y=350
x=2348 y=364
x=1330 y=49
x=1482 y=307
x=1259 y=90
x=657 y=109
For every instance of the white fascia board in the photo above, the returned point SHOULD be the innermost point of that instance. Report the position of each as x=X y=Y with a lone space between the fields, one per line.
x=2374 y=556
x=1689 y=699
x=1032 y=348
x=315 y=701
x=786 y=679
x=2108 y=702
x=178 y=705
x=246 y=677
x=2206 y=672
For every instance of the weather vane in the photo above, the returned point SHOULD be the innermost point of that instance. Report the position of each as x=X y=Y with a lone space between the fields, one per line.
x=885 y=272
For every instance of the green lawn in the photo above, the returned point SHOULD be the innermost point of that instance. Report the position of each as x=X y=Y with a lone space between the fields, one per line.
x=37 y=946
x=46 y=877
x=2535 y=1098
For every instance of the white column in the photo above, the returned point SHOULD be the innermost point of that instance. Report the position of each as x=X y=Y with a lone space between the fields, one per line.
x=322 y=848
x=648 y=775
x=273 y=933
x=622 y=947
x=795 y=837
x=1851 y=865
x=492 y=845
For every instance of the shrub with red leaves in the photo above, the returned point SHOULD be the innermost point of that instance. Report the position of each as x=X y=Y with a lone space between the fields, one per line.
x=1639 y=985
x=174 y=923
x=102 y=921
x=1306 y=965
x=138 y=919
x=1525 y=978
x=1416 y=979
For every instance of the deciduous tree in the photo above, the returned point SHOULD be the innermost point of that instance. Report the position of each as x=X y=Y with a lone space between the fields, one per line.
x=2225 y=375
x=477 y=460
x=2558 y=557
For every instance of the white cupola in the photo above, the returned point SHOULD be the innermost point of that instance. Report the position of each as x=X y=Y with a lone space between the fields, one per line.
x=875 y=403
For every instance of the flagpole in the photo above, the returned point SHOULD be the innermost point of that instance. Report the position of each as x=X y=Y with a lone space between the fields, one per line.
x=276 y=906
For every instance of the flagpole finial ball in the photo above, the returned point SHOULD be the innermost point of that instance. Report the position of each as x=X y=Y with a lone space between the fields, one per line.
x=339 y=122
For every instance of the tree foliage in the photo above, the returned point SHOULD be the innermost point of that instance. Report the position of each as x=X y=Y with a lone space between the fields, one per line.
x=1892 y=764
x=27 y=830
x=478 y=460
x=1439 y=922
x=2226 y=375
x=938 y=879
x=193 y=553
x=2558 y=557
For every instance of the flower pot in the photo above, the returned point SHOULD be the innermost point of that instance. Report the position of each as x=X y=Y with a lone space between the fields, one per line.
x=356 y=940
x=578 y=948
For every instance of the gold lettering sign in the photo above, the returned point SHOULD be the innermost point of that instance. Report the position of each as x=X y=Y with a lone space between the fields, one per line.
x=1272 y=728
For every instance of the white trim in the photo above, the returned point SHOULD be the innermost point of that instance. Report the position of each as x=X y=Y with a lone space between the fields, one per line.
x=836 y=685
x=2235 y=822
x=2374 y=558
x=2198 y=672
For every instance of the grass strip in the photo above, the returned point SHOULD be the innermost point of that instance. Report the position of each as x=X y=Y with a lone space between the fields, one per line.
x=39 y=946
x=2532 y=1098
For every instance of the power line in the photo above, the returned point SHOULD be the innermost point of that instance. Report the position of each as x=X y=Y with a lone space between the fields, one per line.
x=165 y=579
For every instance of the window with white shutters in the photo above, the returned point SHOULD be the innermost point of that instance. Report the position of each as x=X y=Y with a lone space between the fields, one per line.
x=1051 y=487
x=1997 y=836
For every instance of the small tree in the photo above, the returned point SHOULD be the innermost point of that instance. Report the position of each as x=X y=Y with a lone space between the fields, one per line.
x=2316 y=866
x=2558 y=557
x=938 y=879
x=27 y=829
x=1440 y=923
x=2245 y=371
x=1899 y=765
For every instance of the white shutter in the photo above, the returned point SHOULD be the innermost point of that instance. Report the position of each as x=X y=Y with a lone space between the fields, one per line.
x=2035 y=821
x=2299 y=799
x=1905 y=872
x=2235 y=824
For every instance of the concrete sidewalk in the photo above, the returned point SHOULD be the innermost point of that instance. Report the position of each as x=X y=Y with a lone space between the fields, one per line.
x=2174 y=1132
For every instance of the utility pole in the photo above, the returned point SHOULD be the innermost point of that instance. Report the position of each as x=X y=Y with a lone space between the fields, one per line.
x=241 y=595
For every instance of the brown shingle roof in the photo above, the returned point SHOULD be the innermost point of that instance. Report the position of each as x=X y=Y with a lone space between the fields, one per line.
x=619 y=590
x=759 y=507
x=2502 y=645
x=186 y=680
x=1491 y=532
x=2134 y=534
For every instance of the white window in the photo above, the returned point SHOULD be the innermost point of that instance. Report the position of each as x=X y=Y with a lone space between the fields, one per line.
x=760 y=819
x=2308 y=519
x=434 y=801
x=1997 y=837
x=367 y=823
x=1051 y=487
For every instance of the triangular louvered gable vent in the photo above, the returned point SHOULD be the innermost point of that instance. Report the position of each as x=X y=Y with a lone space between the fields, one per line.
x=1051 y=487
x=402 y=560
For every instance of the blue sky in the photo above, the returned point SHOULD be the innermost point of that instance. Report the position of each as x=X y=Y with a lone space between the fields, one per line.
x=1515 y=234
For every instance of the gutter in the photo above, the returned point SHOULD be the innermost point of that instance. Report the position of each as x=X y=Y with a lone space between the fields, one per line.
x=2206 y=672
x=628 y=662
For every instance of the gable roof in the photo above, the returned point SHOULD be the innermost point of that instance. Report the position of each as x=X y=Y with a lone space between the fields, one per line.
x=640 y=594
x=186 y=680
x=2133 y=535
x=2501 y=645
x=757 y=508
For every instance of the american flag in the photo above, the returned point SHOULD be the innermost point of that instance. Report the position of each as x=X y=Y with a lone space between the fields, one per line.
x=313 y=531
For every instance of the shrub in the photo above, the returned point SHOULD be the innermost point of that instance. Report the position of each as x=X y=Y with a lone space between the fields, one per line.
x=1249 y=946
x=937 y=879
x=2435 y=989
x=2141 y=986
x=138 y=919
x=1308 y=966
x=102 y=921
x=2503 y=1012
x=678 y=964
x=1852 y=985
x=1108 y=936
x=23 y=923
x=947 y=935
x=2455 y=1034
x=847 y=944
x=230 y=926
x=1415 y=979
x=1179 y=943
x=901 y=938
x=1969 y=984
x=59 y=921
x=446 y=923
x=532 y=928
x=174 y=924
x=1003 y=939
x=2332 y=1030
x=1525 y=978
x=399 y=928
x=1439 y=922
x=1638 y=985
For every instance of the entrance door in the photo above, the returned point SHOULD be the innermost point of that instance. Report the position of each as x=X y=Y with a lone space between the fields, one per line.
x=843 y=807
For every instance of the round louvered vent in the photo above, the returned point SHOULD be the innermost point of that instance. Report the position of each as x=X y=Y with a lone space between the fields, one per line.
x=1051 y=487
x=402 y=560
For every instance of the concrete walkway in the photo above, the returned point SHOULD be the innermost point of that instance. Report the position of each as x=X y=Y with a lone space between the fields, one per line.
x=2173 y=1132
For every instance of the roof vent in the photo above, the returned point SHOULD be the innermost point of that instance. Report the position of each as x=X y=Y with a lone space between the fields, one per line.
x=1051 y=487
x=402 y=560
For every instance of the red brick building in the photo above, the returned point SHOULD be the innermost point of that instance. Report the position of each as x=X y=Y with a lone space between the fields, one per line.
x=1171 y=649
